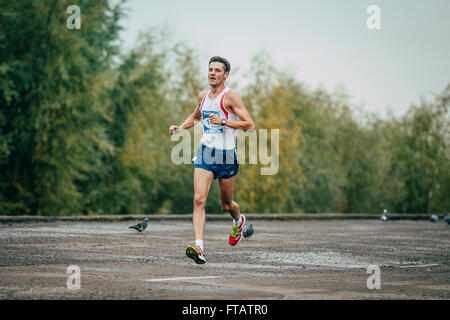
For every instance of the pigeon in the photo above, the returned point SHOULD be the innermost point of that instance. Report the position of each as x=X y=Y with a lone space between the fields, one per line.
x=141 y=226
x=384 y=216
x=248 y=232
x=447 y=218
x=434 y=218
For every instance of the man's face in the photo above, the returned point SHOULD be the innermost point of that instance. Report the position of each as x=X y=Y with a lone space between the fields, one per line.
x=216 y=74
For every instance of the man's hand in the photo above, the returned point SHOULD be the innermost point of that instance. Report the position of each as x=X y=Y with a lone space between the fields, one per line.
x=173 y=128
x=215 y=119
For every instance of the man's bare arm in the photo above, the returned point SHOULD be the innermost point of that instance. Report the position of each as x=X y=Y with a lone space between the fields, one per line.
x=233 y=100
x=193 y=118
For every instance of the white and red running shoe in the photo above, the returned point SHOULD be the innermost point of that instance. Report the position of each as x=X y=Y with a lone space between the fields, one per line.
x=194 y=252
x=236 y=234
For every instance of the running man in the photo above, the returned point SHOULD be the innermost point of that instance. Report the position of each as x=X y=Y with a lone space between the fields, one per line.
x=222 y=112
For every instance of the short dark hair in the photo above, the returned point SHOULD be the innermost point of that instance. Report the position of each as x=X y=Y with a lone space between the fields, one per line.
x=226 y=63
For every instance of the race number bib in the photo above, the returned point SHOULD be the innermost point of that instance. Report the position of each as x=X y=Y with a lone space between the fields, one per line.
x=209 y=127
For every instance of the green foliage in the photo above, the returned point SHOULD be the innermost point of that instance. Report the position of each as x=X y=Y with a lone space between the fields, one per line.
x=273 y=100
x=48 y=100
x=84 y=128
x=421 y=157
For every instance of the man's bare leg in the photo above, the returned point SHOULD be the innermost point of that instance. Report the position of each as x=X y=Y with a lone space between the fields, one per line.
x=226 y=197
x=202 y=184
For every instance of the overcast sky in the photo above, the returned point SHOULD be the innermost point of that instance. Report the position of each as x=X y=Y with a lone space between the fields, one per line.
x=321 y=42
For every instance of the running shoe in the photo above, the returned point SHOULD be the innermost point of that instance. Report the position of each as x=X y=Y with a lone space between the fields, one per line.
x=236 y=234
x=194 y=252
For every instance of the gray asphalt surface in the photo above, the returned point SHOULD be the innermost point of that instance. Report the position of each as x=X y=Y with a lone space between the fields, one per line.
x=283 y=260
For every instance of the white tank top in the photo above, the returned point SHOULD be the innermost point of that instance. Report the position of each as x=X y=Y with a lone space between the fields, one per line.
x=217 y=136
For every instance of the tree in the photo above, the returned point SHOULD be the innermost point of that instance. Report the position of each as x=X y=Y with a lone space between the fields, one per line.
x=50 y=79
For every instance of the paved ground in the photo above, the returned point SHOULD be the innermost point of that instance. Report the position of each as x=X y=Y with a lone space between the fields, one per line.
x=283 y=260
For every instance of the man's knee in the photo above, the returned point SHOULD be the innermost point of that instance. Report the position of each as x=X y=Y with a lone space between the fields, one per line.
x=199 y=200
x=226 y=205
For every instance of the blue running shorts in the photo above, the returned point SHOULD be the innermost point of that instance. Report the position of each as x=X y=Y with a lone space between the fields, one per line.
x=223 y=163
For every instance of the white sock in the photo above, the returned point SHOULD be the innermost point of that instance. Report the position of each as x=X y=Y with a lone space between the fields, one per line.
x=199 y=243
x=238 y=222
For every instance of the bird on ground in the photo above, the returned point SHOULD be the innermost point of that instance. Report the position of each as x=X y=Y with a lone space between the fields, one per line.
x=434 y=218
x=248 y=232
x=384 y=216
x=447 y=218
x=141 y=226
